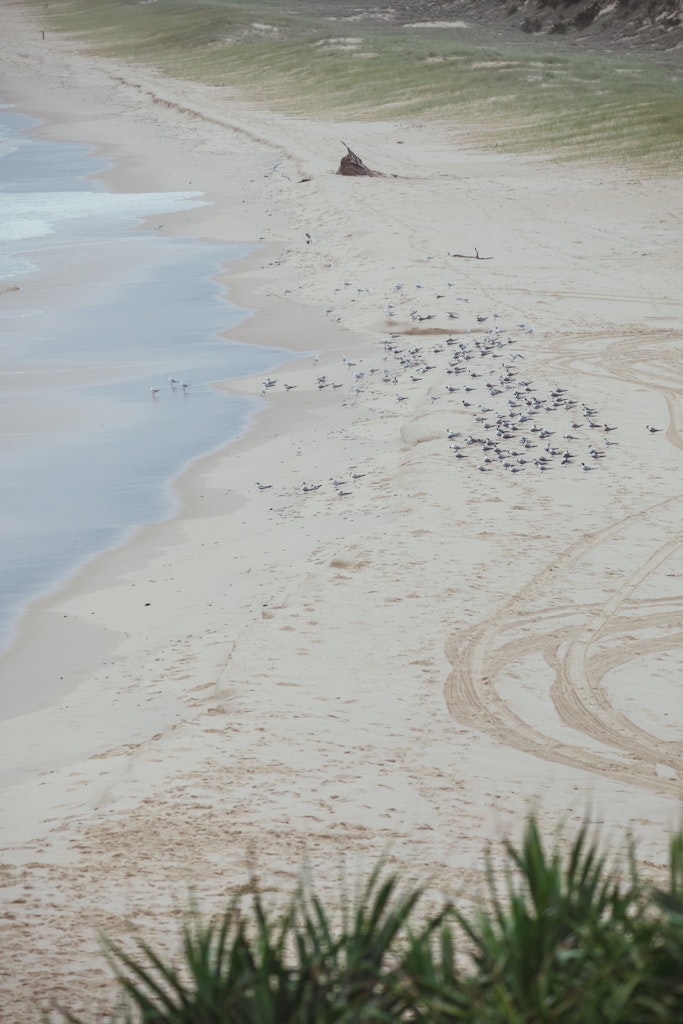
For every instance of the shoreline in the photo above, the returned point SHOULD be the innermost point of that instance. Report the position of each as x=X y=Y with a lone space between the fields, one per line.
x=236 y=281
x=385 y=649
x=89 y=645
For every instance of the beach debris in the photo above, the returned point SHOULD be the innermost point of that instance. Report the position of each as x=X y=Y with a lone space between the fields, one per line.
x=352 y=166
x=464 y=256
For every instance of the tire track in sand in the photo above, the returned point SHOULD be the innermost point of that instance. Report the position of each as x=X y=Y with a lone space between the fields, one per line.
x=569 y=637
x=601 y=629
x=582 y=640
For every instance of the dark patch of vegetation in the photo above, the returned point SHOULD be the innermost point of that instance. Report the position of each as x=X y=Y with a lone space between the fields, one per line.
x=655 y=23
x=587 y=15
x=559 y=27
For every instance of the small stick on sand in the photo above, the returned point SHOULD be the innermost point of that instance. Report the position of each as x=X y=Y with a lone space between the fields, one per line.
x=462 y=256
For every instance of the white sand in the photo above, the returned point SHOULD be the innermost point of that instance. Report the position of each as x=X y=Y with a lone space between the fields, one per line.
x=410 y=666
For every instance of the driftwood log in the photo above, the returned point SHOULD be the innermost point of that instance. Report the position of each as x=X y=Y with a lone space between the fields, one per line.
x=352 y=165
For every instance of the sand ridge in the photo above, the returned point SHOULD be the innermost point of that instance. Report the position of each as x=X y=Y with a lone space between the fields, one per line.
x=399 y=644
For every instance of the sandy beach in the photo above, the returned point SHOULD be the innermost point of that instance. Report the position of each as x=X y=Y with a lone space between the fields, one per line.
x=455 y=595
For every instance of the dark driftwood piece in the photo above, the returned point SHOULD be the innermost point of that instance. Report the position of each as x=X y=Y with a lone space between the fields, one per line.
x=352 y=165
x=462 y=256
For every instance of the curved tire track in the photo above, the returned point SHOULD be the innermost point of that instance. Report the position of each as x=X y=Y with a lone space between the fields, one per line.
x=569 y=638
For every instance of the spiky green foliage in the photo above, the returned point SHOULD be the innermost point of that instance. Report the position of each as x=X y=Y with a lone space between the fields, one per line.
x=260 y=968
x=564 y=933
x=571 y=939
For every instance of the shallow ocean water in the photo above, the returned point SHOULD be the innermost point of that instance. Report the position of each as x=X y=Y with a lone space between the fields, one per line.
x=87 y=450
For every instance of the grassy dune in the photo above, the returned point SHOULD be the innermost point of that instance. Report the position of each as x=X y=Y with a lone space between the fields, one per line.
x=330 y=59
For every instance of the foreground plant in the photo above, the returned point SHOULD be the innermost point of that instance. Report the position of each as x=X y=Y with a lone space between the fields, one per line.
x=564 y=936
x=298 y=968
x=572 y=938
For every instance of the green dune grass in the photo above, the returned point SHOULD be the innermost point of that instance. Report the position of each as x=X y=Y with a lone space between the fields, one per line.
x=327 y=60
